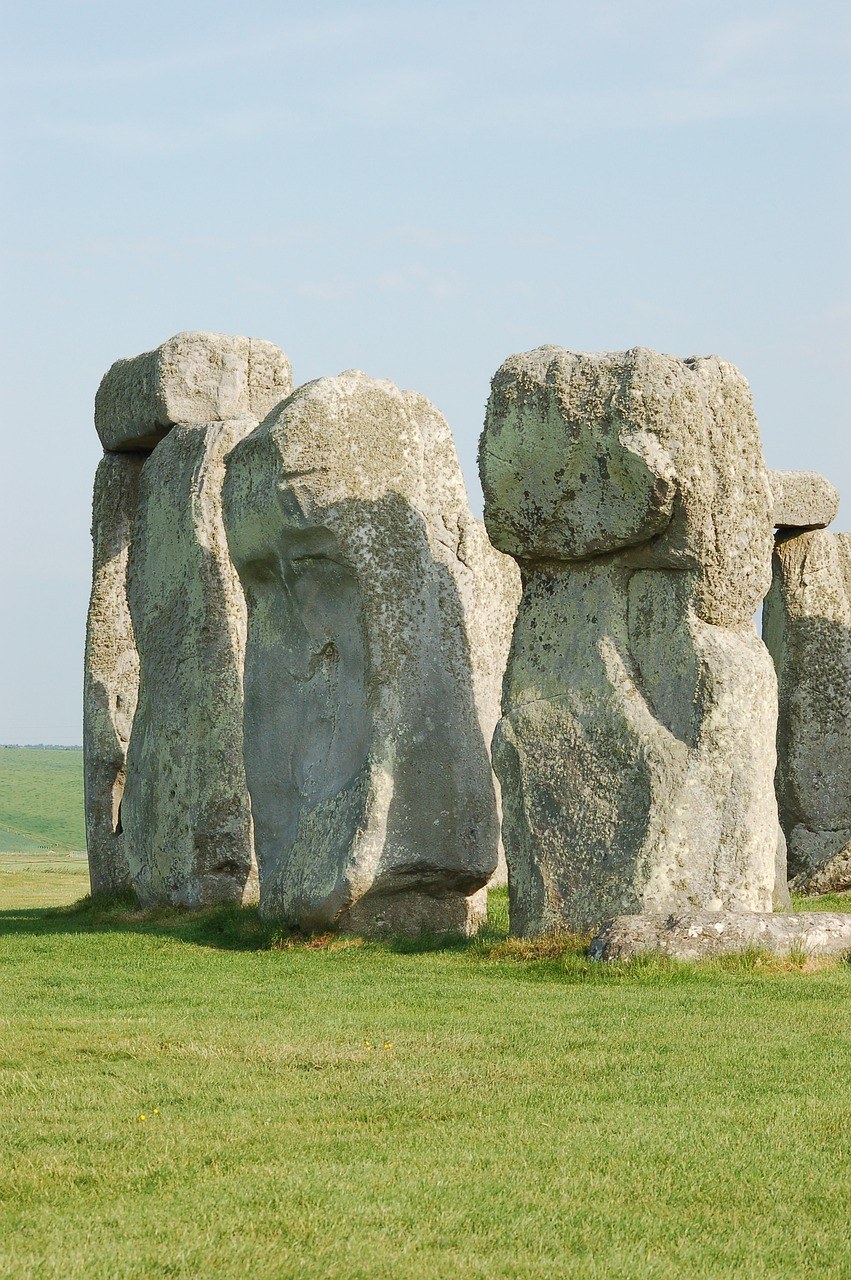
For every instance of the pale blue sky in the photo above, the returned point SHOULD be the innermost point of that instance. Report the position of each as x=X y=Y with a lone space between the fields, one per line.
x=414 y=189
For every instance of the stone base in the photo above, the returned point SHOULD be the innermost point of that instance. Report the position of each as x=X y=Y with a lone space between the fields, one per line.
x=832 y=875
x=411 y=914
x=701 y=935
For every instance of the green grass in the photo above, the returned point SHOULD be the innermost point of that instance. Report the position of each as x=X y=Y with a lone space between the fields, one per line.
x=331 y=1108
x=41 y=880
x=41 y=799
x=336 y=1109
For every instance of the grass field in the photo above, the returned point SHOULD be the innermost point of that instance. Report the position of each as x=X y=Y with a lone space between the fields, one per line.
x=41 y=800
x=186 y=1096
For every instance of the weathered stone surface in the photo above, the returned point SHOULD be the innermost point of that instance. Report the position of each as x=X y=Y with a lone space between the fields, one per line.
x=186 y=812
x=490 y=590
x=111 y=676
x=192 y=378
x=636 y=749
x=701 y=935
x=806 y=623
x=371 y=787
x=782 y=898
x=803 y=499
x=833 y=875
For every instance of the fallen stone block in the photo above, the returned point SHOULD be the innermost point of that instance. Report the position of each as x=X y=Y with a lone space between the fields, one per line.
x=703 y=935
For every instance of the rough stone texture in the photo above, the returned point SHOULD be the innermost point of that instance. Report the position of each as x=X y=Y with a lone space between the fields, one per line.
x=491 y=594
x=186 y=812
x=833 y=875
x=192 y=378
x=701 y=935
x=806 y=621
x=111 y=676
x=782 y=898
x=371 y=787
x=803 y=499
x=636 y=750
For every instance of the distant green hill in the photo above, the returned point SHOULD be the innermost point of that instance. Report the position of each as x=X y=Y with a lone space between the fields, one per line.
x=41 y=798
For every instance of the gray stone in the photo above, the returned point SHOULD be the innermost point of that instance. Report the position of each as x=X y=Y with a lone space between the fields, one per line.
x=370 y=781
x=490 y=591
x=703 y=935
x=782 y=898
x=192 y=378
x=111 y=673
x=186 y=812
x=636 y=750
x=803 y=499
x=832 y=875
x=807 y=627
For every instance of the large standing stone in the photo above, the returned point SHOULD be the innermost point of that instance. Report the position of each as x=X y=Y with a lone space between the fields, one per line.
x=369 y=774
x=489 y=585
x=111 y=679
x=186 y=812
x=807 y=627
x=636 y=749
x=193 y=377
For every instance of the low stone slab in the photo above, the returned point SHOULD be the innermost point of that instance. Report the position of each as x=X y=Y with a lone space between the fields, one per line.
x=701 y=935
x=803 y=499
x=191 y=378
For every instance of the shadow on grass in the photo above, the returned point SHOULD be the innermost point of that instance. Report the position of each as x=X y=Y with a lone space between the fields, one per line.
x=556 y=957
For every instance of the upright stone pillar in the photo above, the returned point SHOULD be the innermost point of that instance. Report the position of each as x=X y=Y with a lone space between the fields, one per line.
x=807 y=627
x=372 y=793
x=185 y=815
x=111 y=676
x=636 y=748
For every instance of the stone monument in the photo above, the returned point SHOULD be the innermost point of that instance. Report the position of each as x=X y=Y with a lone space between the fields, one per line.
x=167 y=805
x=378 y=623
x=636 y=749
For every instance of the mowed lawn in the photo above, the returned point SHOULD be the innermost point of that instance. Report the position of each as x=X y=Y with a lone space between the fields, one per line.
x=193 y=1096
x=41 y=799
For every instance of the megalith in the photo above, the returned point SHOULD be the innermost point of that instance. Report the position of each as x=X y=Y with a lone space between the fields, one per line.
x=111 y=672
x=185 y=815
x=365 y=578
x=636 y=749
x=802 y=500
x=193 y=377
x=186 y=811
x=807 y=627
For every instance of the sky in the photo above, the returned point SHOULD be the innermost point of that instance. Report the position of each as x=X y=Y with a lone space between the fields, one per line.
x=413 y=189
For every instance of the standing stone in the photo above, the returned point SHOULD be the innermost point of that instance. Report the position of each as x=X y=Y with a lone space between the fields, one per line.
x=491 y=592
x=807 y=627
x=184 y=820
x=111 y=679
x=636 y=750
x=371 y=787
x=186 y=811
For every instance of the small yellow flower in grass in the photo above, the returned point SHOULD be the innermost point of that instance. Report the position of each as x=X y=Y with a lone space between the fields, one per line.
x=156 y=1111
x=388 y=1044
x=143 y=1117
